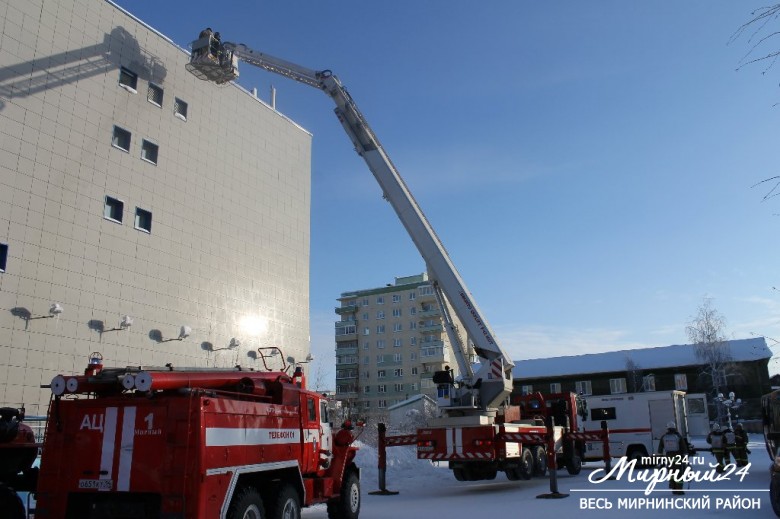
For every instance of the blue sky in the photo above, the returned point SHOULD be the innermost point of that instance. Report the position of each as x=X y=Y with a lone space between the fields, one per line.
x=588 y=165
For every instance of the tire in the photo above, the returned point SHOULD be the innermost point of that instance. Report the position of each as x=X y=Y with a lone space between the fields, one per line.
x=540 y=461
x=512 y=474
x=287 y=504
x=347 y=506
x=636 y=453
x=489 y=474
x=460 y=474
x=774 y=492
x=574 y=465
x=246 y=504
x=526 y=468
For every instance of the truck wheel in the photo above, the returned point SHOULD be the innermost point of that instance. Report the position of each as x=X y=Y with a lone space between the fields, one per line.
x=288 y=504
x=11 y=503
x=526 y=468
x=774 y=492
x=460 y=474
x=246 y=504
x=347 y=506
x=636 y=453
x=540 y=461
x=574 y=465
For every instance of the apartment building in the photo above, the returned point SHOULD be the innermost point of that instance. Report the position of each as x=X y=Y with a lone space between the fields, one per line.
x=389 y=342
x=144 y=214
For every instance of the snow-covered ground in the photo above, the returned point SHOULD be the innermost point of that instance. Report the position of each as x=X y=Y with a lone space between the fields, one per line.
x=427 y=491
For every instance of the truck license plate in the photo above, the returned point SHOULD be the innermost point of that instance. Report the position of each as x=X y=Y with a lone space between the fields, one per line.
x=96 y=484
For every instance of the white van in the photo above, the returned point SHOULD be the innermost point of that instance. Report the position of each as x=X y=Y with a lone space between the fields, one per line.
x=636 y=421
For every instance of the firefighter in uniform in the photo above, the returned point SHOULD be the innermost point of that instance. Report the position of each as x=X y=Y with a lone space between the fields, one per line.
x=718 y=442
x=728 y=439
x=740 y=446
x=674 y=446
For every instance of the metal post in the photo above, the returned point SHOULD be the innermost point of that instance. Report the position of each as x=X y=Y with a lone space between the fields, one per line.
x=607 y=455
x=552 y=463
x=382 y=464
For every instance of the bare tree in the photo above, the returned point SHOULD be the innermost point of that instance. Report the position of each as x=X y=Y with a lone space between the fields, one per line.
x=706 y=331
x=633 y=376
x=761 y=36
x=763 y=48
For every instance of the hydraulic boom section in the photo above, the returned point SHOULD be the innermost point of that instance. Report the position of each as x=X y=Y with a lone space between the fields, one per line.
x=480 y=387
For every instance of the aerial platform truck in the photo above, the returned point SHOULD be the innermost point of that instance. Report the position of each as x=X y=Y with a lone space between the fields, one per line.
x=477 y=432
x=190 y=443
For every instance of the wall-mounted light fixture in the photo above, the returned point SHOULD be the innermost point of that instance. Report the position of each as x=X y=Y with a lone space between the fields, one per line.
x=184 y=332
x=124 y=324
x=54 y=311
x=232 y=345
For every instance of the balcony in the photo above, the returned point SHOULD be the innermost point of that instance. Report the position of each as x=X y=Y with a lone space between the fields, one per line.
x=346 y=350
x=433 y=312
x=431 y=328
x=349 y=309
x=425 y=295
x=433 y=354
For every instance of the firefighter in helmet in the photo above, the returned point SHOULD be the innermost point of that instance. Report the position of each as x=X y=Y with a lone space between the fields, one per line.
x=675 y=447
x=741 y=450
x=729 y=439
x=718 y=442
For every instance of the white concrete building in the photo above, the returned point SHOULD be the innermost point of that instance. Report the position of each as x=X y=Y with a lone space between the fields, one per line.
x=389 y=343
x=130 y=188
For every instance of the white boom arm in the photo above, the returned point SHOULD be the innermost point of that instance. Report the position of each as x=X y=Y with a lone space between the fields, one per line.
x=488 y=386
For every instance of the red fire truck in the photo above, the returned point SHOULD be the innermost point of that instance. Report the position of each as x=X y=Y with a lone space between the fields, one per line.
x=192 y=443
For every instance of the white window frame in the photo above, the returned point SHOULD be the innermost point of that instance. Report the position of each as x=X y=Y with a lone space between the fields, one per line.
x=130 y=88
x=380 y=314
x=617 y=386
x=380 y=344
x=155 y=88
x=110 y=203
x=139 y=215
x=177 y=102
x=681 y=381
x=380 y=300
x=398 y=357
x=148 y=147
x=555 y=387
x=396 y=298
x=118 y=132
x=583 y=387
x=397 y=327
x=3 y=256
x=397 y=343
x=648 y=383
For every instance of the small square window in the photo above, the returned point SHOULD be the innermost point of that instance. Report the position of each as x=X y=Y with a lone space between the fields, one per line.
x=121 y=139
x=154 y=95
x=128 y=79
x=3 y=256
x=143 y=220
x=149 y=151
x=180 y=109
x=113 y=209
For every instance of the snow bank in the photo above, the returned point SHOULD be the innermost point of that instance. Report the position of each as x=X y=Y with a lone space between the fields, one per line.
x=404 y=470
